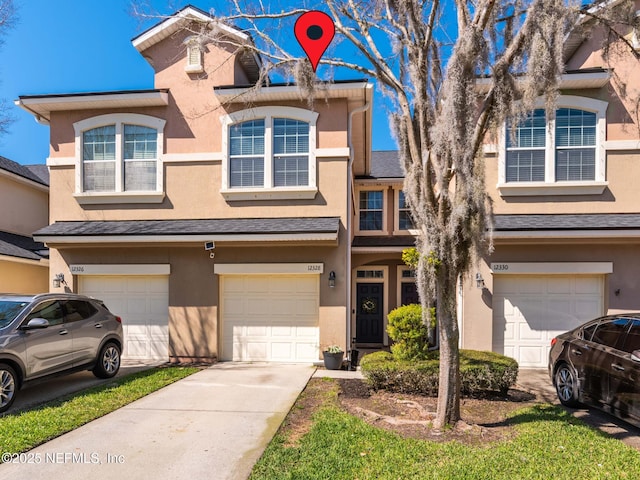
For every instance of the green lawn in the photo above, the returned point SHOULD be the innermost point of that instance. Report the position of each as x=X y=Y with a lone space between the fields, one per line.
x=25 y=430
x=550 y=443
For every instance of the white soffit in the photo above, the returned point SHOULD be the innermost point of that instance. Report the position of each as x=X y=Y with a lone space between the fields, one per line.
x=569 y=81
x=42 y=106
x=292 y=92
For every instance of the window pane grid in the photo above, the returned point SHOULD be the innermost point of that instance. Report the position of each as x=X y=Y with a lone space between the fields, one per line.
x=525 y=166
x=371 y=210
x=140 y=142
x=405 y=222
x=290 y=171
x=247 y=172
x=526 y=143
x=99 y=144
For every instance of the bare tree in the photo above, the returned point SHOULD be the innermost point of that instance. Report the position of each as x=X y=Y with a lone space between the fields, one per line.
x=8 y=17
x=428 y=57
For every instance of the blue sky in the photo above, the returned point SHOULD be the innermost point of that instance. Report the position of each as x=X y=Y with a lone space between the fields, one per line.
x=69 y=46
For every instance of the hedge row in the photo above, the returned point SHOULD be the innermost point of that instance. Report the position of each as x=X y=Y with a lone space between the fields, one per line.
x=480 y=373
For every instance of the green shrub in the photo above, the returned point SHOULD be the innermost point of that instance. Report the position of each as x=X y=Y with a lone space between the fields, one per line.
x=408 y=332
x=480 y=373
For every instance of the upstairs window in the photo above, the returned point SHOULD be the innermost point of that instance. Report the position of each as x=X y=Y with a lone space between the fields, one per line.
x=405 y=222
x=269 y=152
x=561 y=156
x=371 y=210
x=575 y=145
x=119 y=153
x=526 y=149
x=246 y=154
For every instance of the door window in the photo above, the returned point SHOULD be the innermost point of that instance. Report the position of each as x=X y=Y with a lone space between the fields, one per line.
x=632 y=342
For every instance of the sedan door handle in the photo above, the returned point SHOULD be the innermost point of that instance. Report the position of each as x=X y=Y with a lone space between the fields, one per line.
x=618 y=367
x=576 y=351
x=98 y=325
x=64 y=331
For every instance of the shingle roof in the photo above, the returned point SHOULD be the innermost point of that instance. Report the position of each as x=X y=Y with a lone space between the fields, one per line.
x=384 y=241
x=21 y=246
x=231 y=226
x=603 y=221
x=22 y=171
x=385 y=164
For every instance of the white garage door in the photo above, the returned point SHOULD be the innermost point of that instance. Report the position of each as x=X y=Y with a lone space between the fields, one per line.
x=143 y=304
x=529 y=310
x=270 y=318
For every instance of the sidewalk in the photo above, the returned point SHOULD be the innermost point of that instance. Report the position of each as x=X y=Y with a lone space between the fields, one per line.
x=214 y=424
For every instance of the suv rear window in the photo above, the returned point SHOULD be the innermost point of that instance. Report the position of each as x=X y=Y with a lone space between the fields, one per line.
x=75 y=310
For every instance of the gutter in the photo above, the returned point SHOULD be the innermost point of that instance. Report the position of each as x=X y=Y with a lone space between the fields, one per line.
x=38 y=118
x=350 y=210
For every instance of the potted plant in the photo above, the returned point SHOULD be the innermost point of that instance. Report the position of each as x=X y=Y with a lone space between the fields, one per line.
x=333 y=357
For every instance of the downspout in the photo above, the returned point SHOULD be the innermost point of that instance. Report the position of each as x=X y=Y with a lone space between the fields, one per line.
x=350 y=210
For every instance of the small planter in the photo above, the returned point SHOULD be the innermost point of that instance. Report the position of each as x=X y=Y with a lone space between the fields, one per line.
x=333 y=361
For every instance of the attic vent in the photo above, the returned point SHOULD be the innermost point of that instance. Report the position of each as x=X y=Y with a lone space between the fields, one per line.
x=194 y=56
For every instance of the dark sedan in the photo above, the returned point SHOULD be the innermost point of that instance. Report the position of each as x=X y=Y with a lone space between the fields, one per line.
x=598 y=364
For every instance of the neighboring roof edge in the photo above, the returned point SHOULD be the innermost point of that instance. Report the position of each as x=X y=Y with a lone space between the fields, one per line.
x=23 y=171
x=22 y=247
x=574 y=37
x=288 y=91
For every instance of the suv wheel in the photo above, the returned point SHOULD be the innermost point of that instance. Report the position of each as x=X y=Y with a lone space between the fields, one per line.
x=108 y=362
x=567 y=386
x=8 y=386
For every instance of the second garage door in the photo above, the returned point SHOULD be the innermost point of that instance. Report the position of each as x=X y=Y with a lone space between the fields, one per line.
x=270 y=318
x=143 y=304
x=529 y=310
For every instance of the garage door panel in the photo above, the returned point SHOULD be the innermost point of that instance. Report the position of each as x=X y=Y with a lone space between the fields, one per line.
x=142 y=303
x=274 y=319
x=524 y=322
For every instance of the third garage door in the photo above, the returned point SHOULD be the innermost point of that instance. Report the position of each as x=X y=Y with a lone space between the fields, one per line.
x=270 y=318
x=529 y=310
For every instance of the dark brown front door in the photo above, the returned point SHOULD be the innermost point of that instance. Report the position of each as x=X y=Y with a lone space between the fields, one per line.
x=369 y=312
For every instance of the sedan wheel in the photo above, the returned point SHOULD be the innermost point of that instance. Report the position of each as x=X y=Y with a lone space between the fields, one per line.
x=567 y=386
x=108 y=361
x=8 y=386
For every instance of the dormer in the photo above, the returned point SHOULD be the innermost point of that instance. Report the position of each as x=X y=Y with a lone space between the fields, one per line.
x=180 y=41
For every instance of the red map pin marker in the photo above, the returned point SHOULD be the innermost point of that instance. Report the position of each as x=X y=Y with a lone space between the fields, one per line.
x=314 y=31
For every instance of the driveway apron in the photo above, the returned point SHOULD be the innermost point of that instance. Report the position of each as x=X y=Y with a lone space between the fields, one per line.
x=214 y=424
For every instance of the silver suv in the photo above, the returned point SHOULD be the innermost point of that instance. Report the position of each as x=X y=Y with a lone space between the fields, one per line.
x=49 y=334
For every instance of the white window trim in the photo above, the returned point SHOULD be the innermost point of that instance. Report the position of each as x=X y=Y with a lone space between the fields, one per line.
x=269 y=192
x=119 y=195
x=550 y=186
x=193 y=42
x=385 y=209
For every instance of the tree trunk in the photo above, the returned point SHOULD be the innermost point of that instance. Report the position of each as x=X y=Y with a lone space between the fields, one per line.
x=448 y=412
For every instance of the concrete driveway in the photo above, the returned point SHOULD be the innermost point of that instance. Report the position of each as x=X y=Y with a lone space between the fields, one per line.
x=213 y=424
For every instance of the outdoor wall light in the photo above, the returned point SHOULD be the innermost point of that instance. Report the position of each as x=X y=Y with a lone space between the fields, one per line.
x=58 y=280
x=479 y=280
x=332 y=279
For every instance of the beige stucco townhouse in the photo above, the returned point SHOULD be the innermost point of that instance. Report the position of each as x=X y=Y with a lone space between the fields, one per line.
x=226 y=223
x=24 y=208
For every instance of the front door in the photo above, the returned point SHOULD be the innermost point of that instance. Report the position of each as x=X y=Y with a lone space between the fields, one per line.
x=369 y=313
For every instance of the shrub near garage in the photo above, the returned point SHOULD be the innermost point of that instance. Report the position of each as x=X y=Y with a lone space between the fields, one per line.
x=480 y=373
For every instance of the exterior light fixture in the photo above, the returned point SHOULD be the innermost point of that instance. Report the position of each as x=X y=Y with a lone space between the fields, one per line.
x=58 y=280
x=332 y=279
x=479 y=280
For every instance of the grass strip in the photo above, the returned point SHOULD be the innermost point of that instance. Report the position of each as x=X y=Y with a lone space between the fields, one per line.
x=30 y=428
x=550 y=443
